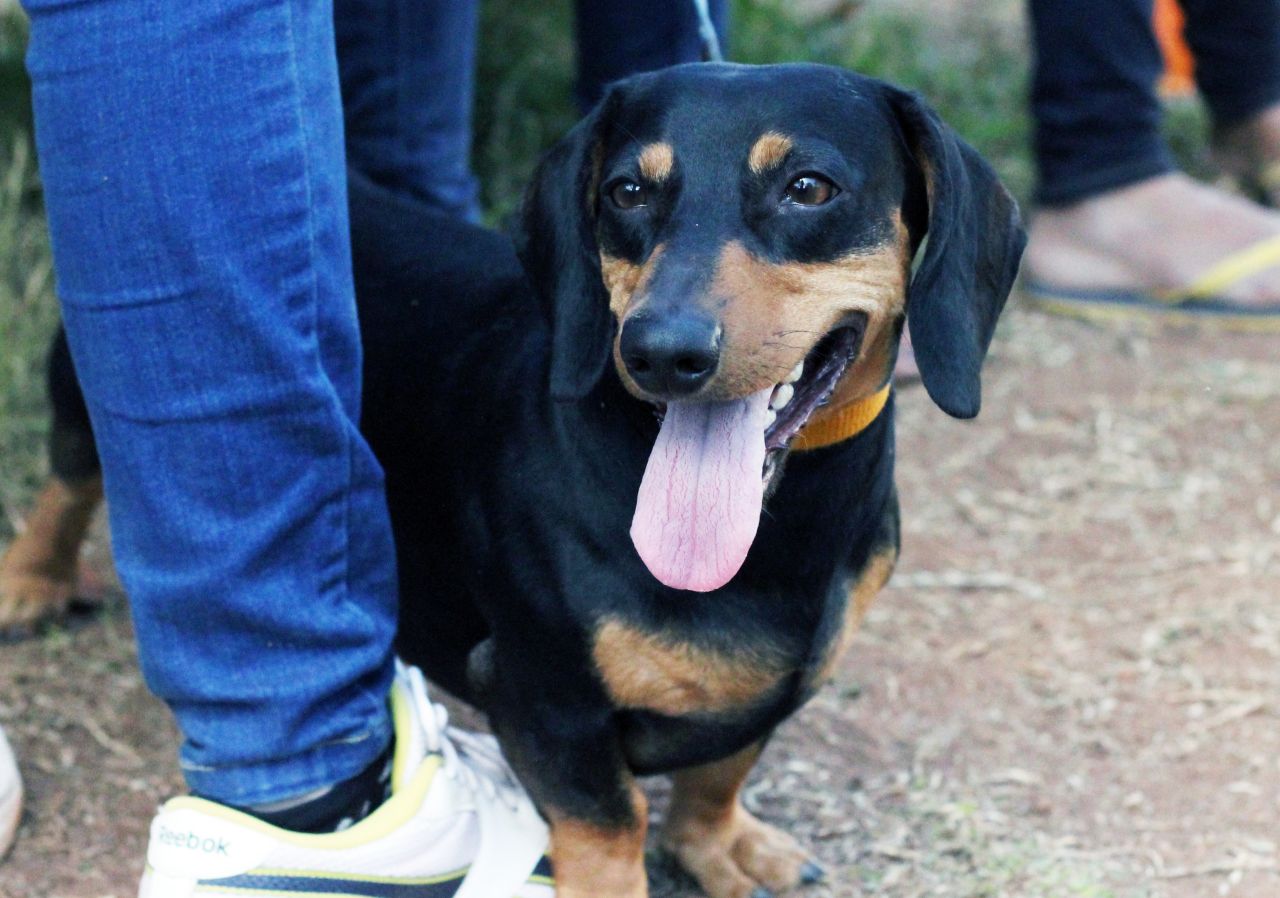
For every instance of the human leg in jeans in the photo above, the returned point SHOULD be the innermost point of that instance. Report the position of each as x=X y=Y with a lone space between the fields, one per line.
x=198 y=224
x=226 y=226
x=408 y=78
x=193 y=161
x=1114 y=213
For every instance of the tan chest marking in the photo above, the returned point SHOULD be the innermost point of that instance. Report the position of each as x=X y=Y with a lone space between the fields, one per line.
x=644 y=670
x=865 y=588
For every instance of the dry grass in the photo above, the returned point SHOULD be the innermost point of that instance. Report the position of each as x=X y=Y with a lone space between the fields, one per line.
x=27 y=318
x=1070 y=688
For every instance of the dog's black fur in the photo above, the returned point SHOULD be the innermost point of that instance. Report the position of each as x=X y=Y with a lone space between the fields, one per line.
x=511 y=508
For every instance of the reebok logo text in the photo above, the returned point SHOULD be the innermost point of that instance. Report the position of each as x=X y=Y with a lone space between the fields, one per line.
x=192 y=842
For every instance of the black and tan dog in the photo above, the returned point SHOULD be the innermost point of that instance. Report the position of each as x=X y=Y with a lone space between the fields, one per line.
x=608 y=536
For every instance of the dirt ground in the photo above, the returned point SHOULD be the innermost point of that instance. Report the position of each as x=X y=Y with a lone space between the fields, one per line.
x=1069 y=689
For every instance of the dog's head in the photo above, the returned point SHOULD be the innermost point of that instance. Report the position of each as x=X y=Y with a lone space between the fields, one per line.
x=741 y=240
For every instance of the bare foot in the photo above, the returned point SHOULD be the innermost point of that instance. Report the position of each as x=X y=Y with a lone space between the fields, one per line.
x=38 y=572
x=1250 y=154
x=1158 y=234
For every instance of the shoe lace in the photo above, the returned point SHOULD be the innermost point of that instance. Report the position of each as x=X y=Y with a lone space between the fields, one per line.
x=473 y=758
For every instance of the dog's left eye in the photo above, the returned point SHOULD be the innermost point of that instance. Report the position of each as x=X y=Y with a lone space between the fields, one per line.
x=810 y=190
x=628 y=195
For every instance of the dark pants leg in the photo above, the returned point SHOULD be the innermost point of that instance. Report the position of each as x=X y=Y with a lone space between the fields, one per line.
x=1236 y=44
x=408 y=80
x=408 y=76
x=1097 y=116
x=617 y=38
x=1094 y=91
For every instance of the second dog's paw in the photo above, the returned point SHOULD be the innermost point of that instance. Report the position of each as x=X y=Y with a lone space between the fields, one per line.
x=38 y=571
x=28 y=600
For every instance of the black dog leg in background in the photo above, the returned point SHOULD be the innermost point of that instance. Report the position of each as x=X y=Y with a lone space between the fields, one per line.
x=73 y=454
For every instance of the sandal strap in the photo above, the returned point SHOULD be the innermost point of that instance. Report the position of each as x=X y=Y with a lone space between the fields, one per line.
x=1231 y=270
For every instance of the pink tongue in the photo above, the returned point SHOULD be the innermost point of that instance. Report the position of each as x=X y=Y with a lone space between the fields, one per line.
x=699 y=502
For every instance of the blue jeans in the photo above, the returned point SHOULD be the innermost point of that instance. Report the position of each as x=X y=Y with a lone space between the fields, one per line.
x=194 y=167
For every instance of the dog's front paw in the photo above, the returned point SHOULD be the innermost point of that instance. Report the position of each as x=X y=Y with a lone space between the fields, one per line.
x=738 y=856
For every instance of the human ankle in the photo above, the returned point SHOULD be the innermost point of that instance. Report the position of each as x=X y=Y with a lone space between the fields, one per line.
x=331 y=808
x=1247 y=148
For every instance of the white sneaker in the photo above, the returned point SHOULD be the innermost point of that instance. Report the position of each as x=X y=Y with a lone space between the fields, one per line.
x=457 y=825
x=10 y=796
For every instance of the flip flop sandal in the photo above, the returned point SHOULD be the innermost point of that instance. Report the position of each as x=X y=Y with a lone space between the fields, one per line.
x=1199 y=303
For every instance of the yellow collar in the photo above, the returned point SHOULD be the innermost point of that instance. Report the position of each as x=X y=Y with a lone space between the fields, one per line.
x=843 y=424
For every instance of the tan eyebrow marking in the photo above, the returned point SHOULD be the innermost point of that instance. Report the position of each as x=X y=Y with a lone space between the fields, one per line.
x=656 y=161
x=769 y=151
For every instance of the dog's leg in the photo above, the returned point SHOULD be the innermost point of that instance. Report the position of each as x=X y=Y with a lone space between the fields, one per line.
x=716 y=840
x=38 y=572
x=592 y=860
x=560 y=734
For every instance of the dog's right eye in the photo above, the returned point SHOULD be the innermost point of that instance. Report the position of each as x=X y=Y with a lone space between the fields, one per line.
x=628 y=195
x=810 y=190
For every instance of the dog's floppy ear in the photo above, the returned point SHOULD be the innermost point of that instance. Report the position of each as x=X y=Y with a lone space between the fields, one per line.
x=557 y=245
x=975 y=241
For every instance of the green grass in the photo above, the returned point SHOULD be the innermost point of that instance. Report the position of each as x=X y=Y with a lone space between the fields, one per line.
x=974 y=70
x=27 y=310
x=523 y=100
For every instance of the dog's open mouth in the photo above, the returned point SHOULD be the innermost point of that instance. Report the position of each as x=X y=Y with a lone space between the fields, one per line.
x=703 y=489
x=806 y=389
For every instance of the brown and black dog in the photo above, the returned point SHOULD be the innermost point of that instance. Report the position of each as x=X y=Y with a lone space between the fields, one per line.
x=641 y=474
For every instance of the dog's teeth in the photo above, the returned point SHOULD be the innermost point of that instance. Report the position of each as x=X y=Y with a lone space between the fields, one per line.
x=781 y=396
x=769 y=417
x=795 y=374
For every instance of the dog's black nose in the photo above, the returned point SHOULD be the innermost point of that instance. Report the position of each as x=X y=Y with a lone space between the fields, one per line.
x=671 y=355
